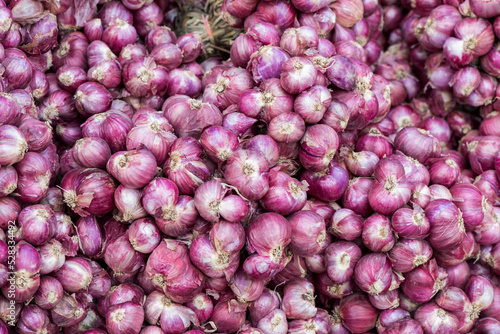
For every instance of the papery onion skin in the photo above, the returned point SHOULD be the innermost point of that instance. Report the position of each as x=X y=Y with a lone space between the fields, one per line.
x=134 y=169
x=356 y=196
x=373 y=273
x=33 y=177
x=248 y=171
x=79 y=193
x=14 y=145
x=423 y=282
x=422 y=146
x=327 y=185
x=340 y=259
x=286 y=195
x=357 y=313
x=447 y=225
x=431 y=317
x=308 y=232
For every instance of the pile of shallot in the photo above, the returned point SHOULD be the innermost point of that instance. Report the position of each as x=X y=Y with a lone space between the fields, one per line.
x=337 y=172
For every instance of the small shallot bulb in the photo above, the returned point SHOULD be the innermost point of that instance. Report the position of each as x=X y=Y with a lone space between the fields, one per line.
x=408 y=254
x=178 y=219
x=259 y=64
x=412 y=224
x=287 y=128
x=68 y=132
x=183 y=81
x=377 y=233
x=241 y=50
x=134 y=169
x=227 y=237
x=422 y=145
x=346 y=224
x=143 y=77
x=92 y=98
x=357 y=314
x=128 y=201
x=269 y=234
x=68 y=311
x=144 y=235
x=373 y=273
x=52 y=256
x=342 y=73
x=286 y=195
x=8 y=180
x=125 y=318
x=404 y=326
x=356 y=197
x=447 y=229
x=266 y=103
x=390 y=191
x=34 y=318
x=212 y=263
x=390 y=316
x=444 y=172
x=229 y=315
x=202 y=115
x=245 y=288
x=312 y=104
x=474 y=38
x=37 y=224
x=318 y=147
x=248 y=171
x=185 y=166
x=153 y=131
x=122 y=258
x=38 y=134
x=327 y=185
x=90 y=234
x=207 y=200
x=118 y=34
x=361 y=163
x=91 y=152
x=480 y=292
x=75 y=274
x=268 y=147
x=308 y=232
x=297 y=75
x=423 y=282
x=13 y=145
x=70 y=78
x=107 y=73
x=167 y=55
x=341 y=258
x=453 y=299
x=93 y=29
x=79 y=190
x=298 y=299
x=191 y=46
x=202 y=306
x=219 y=142
x=269 y=300
x=433 y=319
x=471 y=203
x=233 y=208
x=375 y=142
x=49 y=292
x=297 y=40
x=156 y=36
x=33 y=177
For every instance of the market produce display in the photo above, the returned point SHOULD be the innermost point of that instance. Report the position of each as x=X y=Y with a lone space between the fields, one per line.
x=249 y=166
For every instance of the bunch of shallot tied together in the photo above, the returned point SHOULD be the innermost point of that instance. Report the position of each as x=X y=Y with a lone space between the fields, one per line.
x=338 y=172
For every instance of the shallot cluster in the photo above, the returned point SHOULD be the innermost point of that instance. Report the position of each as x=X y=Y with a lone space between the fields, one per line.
x=335 y=170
